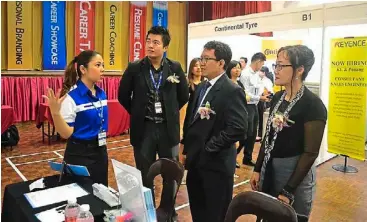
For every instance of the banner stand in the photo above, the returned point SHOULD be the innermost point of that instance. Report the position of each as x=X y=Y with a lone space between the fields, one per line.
x=345 y=168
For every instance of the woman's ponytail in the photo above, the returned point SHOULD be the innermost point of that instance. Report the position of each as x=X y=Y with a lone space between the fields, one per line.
x=70 y=77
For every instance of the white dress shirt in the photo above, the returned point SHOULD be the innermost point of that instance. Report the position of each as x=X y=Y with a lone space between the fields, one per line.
x=265 y=83
x=212 y=82
x=252 y=82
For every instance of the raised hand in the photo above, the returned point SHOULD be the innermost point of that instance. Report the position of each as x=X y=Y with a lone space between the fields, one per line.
x=54 y=102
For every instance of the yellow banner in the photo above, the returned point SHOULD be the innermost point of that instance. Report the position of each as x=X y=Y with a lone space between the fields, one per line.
x=20 y=35
x=347 y=97
x=270 y=47
x=112 y=41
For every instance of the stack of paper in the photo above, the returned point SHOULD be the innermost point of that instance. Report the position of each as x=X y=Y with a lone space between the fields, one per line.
x=55 y=195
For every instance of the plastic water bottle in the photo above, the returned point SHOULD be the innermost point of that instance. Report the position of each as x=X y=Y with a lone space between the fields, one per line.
x=71 y=210
x=85 y=215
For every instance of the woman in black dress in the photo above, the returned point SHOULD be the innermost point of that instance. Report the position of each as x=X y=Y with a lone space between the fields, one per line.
x=285 y=167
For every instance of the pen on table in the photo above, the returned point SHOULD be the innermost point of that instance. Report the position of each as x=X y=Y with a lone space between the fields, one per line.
x=60 y=207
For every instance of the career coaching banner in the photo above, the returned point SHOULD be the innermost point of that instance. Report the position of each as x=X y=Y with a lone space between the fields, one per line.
x=54 y=37
x=84 y=26
x=137 y=30
x=20 y=35
x=160 y=15
x=347 y=97
x=112 y=41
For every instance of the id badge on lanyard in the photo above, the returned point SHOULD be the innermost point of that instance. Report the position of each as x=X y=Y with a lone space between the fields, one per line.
x=102 y=135
x=157 y=103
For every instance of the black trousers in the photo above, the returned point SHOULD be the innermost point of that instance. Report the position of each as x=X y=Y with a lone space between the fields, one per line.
x=210 y=194
x=89 y=154
x=155 y=142
x=249 y=143
x=260 y=109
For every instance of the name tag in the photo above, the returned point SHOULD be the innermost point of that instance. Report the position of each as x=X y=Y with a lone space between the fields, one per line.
x=102 y=138
x=158 y=107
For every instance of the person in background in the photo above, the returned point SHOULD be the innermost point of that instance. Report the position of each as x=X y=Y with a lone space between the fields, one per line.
x=80 y=115
x=215 y=120
x=285 y=167
x=234 y=72
x=251 y=81
x=243 y=61
x=194 y=77
x=153 y=90
x=267 y=88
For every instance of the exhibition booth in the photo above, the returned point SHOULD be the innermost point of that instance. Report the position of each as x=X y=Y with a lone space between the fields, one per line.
x=326 y=29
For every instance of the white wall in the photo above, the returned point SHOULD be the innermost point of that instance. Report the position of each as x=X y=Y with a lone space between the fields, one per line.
x=280 y=5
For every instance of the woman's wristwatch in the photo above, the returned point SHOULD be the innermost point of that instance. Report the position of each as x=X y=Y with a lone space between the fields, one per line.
x=288 y=195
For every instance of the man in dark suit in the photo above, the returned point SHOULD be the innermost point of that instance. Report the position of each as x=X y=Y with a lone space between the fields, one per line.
x=209 y=140
x=153 y=90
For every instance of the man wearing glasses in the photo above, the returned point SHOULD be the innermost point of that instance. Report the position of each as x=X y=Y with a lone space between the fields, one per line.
x=153 y=90
x=252 y=83
x=216 y=119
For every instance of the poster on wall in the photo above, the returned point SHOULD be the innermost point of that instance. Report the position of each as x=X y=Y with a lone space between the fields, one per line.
x=347 y=97
x=270 y=47
x=137 y=30
x=112 y=41
x=84 y=26
x=54 y=37
x=20 y=35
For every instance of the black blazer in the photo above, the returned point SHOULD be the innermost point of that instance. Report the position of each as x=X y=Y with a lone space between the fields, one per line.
x=210 y=144
x=133 y=95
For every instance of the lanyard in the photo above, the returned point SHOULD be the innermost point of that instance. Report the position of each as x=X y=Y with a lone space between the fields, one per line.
x=158 y=84
x=100 y=112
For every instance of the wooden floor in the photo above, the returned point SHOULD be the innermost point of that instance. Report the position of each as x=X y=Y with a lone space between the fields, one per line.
x=339 y=197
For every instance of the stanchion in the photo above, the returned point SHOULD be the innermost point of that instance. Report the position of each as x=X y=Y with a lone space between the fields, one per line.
x=345 y=168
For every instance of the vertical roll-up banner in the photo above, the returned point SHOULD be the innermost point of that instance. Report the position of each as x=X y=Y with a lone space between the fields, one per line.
x=84 y=26
x=347 y=97
x=54 y=35
x=137 y=30
x=160 y=15
x=20 y=35
x=112 y=41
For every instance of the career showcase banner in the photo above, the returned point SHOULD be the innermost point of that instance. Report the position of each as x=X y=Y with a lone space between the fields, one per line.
x=112 y=41
x=160 y=14
x=137 y=30
x=19 y=35
x=347 y=97
x=84 y=26
x=54 y=36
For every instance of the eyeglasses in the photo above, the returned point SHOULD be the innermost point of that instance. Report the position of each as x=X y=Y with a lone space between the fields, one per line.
x=279 y=67
x=205 y=60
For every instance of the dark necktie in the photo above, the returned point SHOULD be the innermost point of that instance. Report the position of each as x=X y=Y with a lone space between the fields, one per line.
x=207 y=84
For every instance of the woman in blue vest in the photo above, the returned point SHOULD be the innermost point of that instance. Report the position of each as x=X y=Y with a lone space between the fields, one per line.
x=80 y=115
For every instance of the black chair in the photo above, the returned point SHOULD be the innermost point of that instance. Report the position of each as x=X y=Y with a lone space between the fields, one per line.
x=263 y=206
x=172 y=171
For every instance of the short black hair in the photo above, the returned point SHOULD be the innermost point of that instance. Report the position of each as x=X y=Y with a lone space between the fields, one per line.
x=231 y=65
x=299 y=55
x=159 y=30
x=244 y=58
x=221 y=51
x=258 y=56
